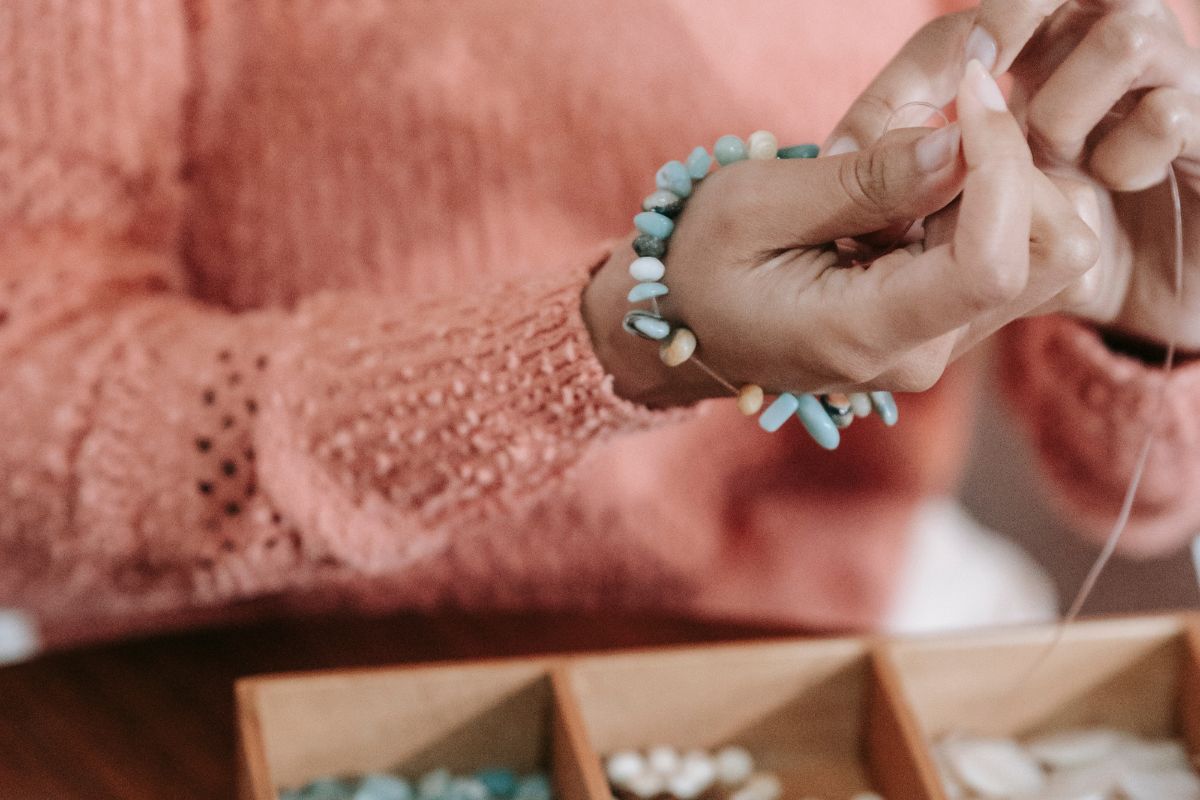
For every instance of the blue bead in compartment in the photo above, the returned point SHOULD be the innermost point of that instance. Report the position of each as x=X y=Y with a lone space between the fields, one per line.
x=378 y=786
x=326 y=789
x=467 y=789
x=434 y=785
x=654 y=224
x=533 y=787
x=502 y=783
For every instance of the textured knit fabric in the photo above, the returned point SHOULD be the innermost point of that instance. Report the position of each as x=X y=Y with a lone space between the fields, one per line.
x=289 y=316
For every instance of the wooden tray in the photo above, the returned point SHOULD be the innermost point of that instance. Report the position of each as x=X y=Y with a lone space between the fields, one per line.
x=829 y=716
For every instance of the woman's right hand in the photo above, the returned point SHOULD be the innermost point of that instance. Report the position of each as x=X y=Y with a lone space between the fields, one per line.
x=752 y=272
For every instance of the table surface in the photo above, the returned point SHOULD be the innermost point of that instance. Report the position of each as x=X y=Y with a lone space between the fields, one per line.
x=154 y=718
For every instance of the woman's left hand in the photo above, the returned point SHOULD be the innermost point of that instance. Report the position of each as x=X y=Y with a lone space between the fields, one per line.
x=1110 y=94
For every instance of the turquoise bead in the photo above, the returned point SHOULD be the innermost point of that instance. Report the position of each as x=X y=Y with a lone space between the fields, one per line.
x=817 y=422
x=654 y=224
x=729 y=149
x=533 y=787
x=698 y=163
x=378 y=786
x=778 y=412
x=467 y=789
x=646 y=325
x=673 y=176
x=799 y=151
x=433 y=785
x=326 y=789
x=644 y=291
x=500 y=782
x=885 y=406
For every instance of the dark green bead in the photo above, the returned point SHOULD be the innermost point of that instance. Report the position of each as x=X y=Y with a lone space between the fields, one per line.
x=647 y=245
x=669 y=209
x=799 y=151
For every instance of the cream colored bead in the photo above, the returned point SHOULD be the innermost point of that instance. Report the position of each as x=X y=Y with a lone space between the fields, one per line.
x=678 y=348
x=750 y=399
x=762 y=145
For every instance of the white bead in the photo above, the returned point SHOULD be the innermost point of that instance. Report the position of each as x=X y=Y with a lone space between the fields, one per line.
x=698 y=768
x=1163 y=784
x=762 y=146
x=860 y=404
x=622 y=766
x=1144 y=754
x=663 y=759
x=734 y=764
x=684 y=786
x=647 y=268
x=647 y=784
x=994 y=767
x=1074 y=747
x=763 y=786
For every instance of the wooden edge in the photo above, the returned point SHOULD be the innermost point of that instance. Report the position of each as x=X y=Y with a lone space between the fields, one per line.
x=1189 y=685
x=1104 y=626
x=254 y=781
x=545 y=662
x=577 y=769
x=898 y=755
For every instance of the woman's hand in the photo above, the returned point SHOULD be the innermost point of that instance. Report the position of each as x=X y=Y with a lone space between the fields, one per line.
x=752 y=272
x=1110 y=94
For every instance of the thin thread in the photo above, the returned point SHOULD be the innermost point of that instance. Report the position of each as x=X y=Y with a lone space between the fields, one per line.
x=1122 y=521
x=712 y=374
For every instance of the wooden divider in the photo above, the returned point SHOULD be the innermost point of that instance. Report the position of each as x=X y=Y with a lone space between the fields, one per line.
x=831 y=717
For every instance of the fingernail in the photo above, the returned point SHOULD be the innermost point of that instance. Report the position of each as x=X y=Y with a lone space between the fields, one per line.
x=18 y=636
x=981 y=47
x=937 y=149
x=843 y=144
x=984 y=87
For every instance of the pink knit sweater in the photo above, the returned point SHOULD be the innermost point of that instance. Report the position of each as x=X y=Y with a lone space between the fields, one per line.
x=289 y=313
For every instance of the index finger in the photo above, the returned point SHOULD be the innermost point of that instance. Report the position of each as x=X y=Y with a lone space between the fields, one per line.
x=925 y=69
x=928 y=66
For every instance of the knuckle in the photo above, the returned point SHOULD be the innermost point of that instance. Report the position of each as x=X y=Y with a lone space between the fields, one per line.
x=864 y=181
x=1125 y=37
x=1045 y=130
x=917 y=373
x=1077 y=248
x=996 y=283
x=1163 y=116
x=858 y=370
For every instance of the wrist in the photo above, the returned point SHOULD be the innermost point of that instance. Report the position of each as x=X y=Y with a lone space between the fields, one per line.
x=639 y=375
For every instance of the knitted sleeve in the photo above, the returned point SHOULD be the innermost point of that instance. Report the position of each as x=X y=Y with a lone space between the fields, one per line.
x=1089 y=410
x=160 y=452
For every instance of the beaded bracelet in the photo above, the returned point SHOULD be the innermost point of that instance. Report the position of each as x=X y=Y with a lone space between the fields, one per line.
x=823 y=416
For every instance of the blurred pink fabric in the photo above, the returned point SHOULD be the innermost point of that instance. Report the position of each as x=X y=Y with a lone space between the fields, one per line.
x=289 y=320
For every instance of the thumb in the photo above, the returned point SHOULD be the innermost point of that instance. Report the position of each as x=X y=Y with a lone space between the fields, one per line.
x=906 y=175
